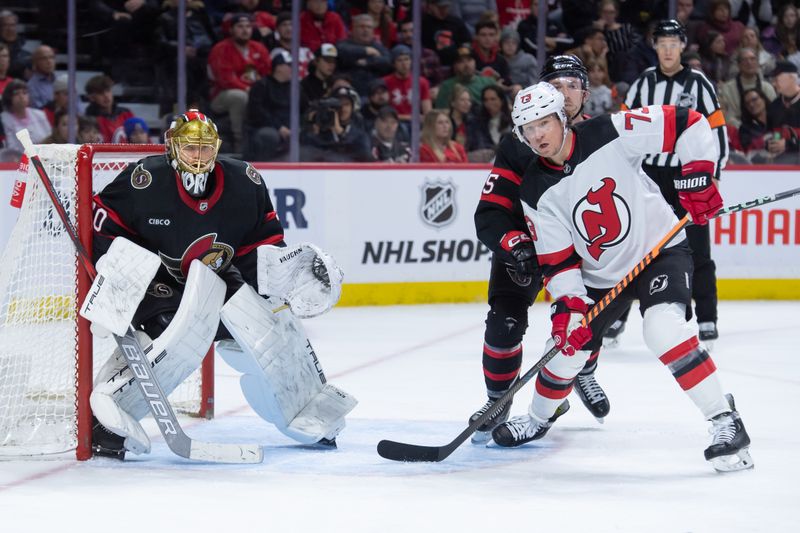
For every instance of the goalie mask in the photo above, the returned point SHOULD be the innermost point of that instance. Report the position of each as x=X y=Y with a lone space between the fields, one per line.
x=192 y=144
x=536 y=102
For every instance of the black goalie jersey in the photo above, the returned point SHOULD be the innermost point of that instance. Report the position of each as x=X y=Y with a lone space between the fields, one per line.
x=148 y=205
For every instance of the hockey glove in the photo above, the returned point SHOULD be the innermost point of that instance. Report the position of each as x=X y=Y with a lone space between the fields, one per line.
x=567 y=332
x=520 y=247
x=697 y=192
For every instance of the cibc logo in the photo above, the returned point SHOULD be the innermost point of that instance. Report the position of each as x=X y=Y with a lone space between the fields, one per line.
x=438 y=207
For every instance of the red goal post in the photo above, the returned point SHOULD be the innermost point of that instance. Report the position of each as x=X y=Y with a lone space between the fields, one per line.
x=48 y=355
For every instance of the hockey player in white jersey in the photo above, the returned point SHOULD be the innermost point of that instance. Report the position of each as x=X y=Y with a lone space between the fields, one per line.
x=593 y=215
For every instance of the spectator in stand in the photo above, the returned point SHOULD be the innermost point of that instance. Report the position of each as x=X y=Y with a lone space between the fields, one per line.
x=110 y=117
x=387 y=146
x=60 y=99
x=399 y=84
x=750 y=39
x=60 y=134
x=443 y=32
x=716 y=63
x=494 y=121
x=642 y=56
x=783 y=38
x=556 y=39
x=522 y=66
x=437 y=146
x=40 y=84
x=693 y=61
x=592 y=46
x=318 y=25
x=125 y=27
x=463 y=74
x=317 y=83
x=234 y=65
x=753 y=133
x=377 y=100
x=282 y=39
x=511 y=12
x=471 y=11
x=620 y=37
x=20 y=58
x=136 y=131
x=264 y=22
x=336 y=133
x=5 y=63
x=683 y=13
x=18 y=114
x=339 y=79
x=361 y=56
x=783 y=114
x=731 y=92
x=462 y=118
x=200 y=37
x=268 y=112
x=719 y=20
x=488 y=59
x=600 y=100
x=430 y=67
x=578 y=14
x=88 y=131
x=385 y=27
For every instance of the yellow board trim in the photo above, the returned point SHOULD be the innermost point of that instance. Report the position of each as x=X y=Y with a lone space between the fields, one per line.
x=355 y=294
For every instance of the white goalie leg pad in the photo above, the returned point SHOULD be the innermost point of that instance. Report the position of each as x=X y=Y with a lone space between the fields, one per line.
x=283 y=380
x=123 y=275
x=175 y=354
x=306 y=277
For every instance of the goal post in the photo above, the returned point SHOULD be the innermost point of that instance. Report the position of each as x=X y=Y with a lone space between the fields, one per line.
x=48 y=355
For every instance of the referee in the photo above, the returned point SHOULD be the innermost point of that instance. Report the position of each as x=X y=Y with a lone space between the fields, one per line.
x=672 y=83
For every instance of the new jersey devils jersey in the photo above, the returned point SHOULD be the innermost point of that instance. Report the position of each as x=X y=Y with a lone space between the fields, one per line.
x=596 y=216
x=148 y=205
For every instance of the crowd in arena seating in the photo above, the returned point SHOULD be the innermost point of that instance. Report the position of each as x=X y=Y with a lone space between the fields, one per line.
x=355 y=64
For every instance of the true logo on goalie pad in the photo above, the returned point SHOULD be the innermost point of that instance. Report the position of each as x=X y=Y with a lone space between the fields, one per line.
x=438 y=206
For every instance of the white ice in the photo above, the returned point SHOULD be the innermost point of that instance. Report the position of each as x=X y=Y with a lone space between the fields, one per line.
x=417 y=373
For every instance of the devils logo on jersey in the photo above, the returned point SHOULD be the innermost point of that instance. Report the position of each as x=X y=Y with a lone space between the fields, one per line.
x=602 y=218
x=216 y=255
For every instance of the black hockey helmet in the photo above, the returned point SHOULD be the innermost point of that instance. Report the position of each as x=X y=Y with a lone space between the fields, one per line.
x=669 y=28
x=565 y=66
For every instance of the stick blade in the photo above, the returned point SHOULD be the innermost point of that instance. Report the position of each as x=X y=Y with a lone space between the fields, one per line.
x=25 y=138
x=226 y=453
x=410 y=453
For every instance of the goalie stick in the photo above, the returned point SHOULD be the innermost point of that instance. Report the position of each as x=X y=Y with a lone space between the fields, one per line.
x=400 y=451
x=180 y=443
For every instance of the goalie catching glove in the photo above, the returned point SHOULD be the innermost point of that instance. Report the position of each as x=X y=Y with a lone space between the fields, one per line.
x=697 y=192
x=307 y=278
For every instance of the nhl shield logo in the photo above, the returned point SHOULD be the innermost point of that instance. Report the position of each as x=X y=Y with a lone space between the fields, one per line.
x=438 y=203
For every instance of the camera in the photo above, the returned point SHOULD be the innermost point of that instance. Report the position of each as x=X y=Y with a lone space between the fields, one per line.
x=326 y=111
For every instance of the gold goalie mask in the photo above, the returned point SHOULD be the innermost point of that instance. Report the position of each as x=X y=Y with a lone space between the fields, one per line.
x=192 y=144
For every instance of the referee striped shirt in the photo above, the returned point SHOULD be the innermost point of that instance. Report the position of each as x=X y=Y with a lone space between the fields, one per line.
x=688 y=88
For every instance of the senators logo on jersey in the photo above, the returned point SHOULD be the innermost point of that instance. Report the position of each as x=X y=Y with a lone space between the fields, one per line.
x=216 y=255
x=602 y=218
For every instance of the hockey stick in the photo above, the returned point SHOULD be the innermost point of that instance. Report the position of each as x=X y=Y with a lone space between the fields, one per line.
x=180 y=443
x=399 y=451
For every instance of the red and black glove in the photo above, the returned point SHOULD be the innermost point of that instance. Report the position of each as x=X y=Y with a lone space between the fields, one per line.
x=697 y=192
x=567 y=332
x=523 y=254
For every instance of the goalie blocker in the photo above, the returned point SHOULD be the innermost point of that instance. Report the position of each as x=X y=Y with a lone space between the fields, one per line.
x=283 y=380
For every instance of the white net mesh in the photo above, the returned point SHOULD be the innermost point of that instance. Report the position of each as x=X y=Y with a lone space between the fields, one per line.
x=38 y=336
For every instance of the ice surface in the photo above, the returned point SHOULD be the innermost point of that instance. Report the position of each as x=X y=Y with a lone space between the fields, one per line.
x=416 y=371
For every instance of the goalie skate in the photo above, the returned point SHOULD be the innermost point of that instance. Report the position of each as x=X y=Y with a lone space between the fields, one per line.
x=522 y=429
x=483 y=434
x=729 y=450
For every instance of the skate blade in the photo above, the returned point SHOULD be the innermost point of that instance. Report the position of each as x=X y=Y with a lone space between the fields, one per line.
x=481 y=437
x=600 y=420
x=707 y=345
x=734 y=462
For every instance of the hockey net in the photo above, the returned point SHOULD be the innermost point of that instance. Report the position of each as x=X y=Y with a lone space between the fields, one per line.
x=47 y=353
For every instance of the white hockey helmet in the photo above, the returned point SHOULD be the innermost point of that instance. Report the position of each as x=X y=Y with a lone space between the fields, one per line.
x=535 y=102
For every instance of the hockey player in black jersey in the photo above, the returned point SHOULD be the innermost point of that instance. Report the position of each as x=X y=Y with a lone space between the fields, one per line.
x=515 y=278
x=207 y=225
x=593 y=214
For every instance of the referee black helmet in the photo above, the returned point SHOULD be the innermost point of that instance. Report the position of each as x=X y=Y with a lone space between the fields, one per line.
x=565 y=66
x=669 y=28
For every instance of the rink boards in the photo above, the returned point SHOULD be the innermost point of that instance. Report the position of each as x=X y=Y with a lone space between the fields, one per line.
x=405 y=233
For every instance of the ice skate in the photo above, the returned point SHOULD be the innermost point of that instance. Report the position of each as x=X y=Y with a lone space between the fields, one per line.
x=106 y=443
x=483 y=434
x=729 y=450
x=612 y=335
x=708 y=334
x=592 y=395
x=522 y=429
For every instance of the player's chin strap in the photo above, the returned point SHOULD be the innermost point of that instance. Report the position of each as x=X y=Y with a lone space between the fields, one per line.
x=282 y=378
x=307 y=278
